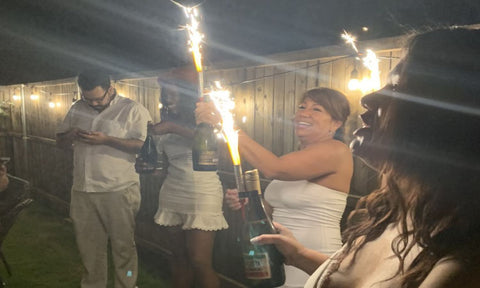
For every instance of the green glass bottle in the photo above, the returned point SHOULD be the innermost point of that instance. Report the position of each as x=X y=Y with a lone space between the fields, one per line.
x=263 y=263
x=148 y=157
x=205 y=147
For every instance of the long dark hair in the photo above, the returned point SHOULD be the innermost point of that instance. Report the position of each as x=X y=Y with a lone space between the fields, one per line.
x=428 y=134
x=185 y=106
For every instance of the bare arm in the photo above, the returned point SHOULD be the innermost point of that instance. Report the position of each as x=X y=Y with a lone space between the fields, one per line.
x=295 y=253
x=170 y=127
x=449 y=273
x=314 y=161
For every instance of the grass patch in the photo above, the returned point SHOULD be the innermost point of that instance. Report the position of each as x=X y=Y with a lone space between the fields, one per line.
x=42 y=253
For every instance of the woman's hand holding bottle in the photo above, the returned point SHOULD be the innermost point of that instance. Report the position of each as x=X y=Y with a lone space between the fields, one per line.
x=232 y=199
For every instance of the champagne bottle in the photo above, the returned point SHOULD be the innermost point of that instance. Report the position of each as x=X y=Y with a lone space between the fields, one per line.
x=204 y=150
x=263 y=263
x=147 y=159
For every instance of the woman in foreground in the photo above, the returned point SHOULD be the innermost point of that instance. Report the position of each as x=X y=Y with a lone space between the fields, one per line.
x=422 y=228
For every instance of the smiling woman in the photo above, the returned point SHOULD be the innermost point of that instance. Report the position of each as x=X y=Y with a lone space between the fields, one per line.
x=309 y=191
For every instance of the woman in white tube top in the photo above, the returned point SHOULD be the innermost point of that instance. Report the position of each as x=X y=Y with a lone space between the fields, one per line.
x=310 y=188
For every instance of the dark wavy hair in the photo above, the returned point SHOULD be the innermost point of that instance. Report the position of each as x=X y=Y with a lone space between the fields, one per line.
x=334 y=102
x=428 y=138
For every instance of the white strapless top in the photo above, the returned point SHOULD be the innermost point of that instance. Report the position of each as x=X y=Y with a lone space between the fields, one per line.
x=312 y=212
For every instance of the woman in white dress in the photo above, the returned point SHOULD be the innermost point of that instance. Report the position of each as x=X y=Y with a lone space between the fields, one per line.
x=190 y=202
x=310 y=187
x=422 y=228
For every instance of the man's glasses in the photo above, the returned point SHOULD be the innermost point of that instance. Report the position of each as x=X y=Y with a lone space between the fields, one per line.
x=94 y=100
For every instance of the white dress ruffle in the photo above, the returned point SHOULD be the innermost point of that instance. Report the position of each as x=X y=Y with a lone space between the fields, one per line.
x=192 y=199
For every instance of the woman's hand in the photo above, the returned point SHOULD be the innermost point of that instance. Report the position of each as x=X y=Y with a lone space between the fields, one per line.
x=161 y=128
x=207 y=113
x=284 y=241
x=143 y=167
x=232 y=199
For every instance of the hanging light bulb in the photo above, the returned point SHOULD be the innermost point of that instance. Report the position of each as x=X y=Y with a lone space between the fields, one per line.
x=354 y=82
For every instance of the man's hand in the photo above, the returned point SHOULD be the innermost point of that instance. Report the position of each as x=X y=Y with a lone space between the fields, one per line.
x=93 y=137
x=65 y=140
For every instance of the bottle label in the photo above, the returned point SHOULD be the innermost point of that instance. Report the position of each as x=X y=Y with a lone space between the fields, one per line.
x=257 y=266
x=207 y=158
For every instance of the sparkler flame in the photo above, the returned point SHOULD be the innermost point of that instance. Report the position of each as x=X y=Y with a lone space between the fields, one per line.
x=225 y=104
x=370 y=61
x=350 y=39
x=194 y=35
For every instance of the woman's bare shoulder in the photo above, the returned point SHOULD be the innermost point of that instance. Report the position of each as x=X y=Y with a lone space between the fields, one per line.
x=450 y=272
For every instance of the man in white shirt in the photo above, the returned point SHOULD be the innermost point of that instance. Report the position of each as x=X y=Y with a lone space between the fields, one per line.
x=105 y=131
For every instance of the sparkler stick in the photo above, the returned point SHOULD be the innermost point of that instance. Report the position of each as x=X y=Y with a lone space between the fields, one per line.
x=224 y=104
x=349 y=39
x=195 y=40
x=219 y=96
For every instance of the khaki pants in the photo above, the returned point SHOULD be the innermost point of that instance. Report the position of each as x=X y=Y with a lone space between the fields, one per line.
x=97 y=218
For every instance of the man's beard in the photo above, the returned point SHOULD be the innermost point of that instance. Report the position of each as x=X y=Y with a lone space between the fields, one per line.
x=99 y=108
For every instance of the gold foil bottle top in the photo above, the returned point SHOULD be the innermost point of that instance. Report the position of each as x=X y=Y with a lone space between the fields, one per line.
x=252 y=181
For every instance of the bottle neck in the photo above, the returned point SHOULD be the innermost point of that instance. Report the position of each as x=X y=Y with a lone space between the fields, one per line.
x=255 y=210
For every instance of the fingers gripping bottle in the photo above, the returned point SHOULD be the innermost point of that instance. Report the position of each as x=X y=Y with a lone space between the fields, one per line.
x=263 y=263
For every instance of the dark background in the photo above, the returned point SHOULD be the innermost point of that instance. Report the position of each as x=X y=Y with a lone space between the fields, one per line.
x=51 y=39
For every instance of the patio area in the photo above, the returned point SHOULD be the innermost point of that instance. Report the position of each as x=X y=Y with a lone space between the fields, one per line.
x=41 y=250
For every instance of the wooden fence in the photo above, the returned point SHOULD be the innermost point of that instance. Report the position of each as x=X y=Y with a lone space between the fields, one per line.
x=266 y=92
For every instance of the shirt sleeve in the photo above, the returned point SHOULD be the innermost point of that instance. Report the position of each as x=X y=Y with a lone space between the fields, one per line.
x=66 y=124
x=137 y=124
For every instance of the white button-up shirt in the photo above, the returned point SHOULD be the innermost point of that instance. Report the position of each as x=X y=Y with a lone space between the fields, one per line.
x=101 y=168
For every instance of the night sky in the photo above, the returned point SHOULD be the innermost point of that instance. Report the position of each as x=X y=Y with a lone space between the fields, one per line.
x=51 y=39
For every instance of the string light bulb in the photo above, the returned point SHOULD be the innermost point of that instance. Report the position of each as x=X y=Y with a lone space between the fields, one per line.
x=354 y=82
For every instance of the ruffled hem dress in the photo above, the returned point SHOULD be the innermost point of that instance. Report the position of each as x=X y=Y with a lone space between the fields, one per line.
x=190 y=199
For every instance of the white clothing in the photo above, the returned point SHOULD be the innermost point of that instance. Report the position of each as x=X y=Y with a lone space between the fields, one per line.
x=312 y=213
x=189 y=198
x=102 y=168
x=318 y=278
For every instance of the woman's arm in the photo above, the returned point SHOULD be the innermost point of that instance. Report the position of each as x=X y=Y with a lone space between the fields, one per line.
x=449 y=273
x=315 y=161
x=311 y=162
x=295 y=253
x=166 y=127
